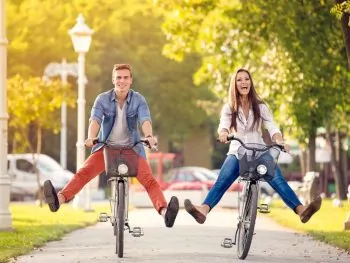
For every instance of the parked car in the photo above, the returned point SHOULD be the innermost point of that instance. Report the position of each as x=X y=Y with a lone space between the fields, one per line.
x=194 y=178
x=24 y=185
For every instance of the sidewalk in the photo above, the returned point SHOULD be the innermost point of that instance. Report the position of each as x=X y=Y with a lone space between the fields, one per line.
x=186 y=242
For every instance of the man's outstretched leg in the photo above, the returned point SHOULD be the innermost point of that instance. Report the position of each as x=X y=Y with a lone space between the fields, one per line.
x=92 y=167
x=168 y=211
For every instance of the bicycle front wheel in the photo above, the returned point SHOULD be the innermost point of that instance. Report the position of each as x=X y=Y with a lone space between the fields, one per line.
x=247 y=222
x=120 y=219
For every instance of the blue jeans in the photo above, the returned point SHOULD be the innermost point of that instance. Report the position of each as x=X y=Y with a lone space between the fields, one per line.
x=229 y=173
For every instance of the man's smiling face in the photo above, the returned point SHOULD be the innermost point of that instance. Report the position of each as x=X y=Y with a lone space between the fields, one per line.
x=122 y=80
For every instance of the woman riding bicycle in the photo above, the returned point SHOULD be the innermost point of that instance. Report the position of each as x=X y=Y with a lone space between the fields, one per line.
x=244 y=114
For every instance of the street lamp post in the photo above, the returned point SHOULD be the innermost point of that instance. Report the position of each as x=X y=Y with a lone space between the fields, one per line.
x=63 y=70
x=81 y=38
x=5 y=183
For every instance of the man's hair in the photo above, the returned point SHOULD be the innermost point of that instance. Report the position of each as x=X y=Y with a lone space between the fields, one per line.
x=120 y=67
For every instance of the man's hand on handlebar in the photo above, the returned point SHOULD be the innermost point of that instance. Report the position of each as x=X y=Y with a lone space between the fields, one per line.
x=152 y=142
x=89 y=142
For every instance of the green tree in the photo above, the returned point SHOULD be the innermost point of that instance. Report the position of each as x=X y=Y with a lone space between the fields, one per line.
x=294 y=47
x=32 y=107
x=342 y=10
x=124 y=32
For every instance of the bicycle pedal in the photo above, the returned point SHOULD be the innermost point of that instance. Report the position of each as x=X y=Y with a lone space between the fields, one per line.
x=264 y=208
x=137 y=232
x=103 y=217
x=227 y=243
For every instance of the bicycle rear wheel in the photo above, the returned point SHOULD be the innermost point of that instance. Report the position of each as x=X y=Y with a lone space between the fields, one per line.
x=119 y=226
x=247 y=222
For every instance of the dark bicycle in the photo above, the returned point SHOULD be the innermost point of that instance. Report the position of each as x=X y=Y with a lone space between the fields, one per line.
x=121 y=163
x=256 y=162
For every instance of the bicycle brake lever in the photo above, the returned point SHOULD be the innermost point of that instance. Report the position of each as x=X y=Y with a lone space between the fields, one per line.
x=154 y=148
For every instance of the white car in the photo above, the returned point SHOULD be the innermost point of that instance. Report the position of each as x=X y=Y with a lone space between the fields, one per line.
x=24 y=184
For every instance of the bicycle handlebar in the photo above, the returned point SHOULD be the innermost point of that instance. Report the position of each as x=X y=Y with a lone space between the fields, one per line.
x=145 y=142
x=232 y=137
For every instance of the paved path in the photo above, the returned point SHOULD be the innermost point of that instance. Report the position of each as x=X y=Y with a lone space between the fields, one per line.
x=186 y=242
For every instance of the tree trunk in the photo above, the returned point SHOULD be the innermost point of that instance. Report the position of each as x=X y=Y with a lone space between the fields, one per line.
x=346 y=31
x=38 y=151
x=339 y=182
x=14 y=144
x=311 y=162
x=302 y=160
x=343 y=159
x=346 y=36
x=323 y=174
x=342 y=173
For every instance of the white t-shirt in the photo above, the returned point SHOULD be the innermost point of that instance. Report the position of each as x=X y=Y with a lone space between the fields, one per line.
x=119 y=134
x=244 y=131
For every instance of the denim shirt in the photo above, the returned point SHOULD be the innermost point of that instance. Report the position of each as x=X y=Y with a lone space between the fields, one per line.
x=104 y=112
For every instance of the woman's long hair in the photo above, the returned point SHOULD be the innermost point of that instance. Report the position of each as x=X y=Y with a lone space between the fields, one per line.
x=234 y=101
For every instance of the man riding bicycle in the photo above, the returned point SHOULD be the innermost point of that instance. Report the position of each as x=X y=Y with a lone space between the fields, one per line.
x=115 y=118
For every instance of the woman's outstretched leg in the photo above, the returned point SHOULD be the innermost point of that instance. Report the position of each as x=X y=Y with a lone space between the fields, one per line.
x=280 y=185
x=228 y=174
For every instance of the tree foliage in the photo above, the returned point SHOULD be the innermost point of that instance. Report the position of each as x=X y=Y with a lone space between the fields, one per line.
x=33 y=103
x=294 y=49
x=340 y=8
x=32 y=107
x=124 y=32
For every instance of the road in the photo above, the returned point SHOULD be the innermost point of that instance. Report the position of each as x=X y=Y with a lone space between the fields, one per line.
x=186 y=242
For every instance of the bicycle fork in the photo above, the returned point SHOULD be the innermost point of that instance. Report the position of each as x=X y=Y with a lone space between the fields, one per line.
x=263 y=208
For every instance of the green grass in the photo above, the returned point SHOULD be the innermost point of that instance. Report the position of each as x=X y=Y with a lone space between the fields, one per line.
x=326 y=225
x=34 y=226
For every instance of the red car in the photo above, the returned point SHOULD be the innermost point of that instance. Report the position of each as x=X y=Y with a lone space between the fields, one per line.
x=194 y=178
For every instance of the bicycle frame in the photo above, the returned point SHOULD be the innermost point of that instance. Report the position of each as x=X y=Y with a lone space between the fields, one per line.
x=244 y=192
x=242 y=195
x=113 y=200
x=248 y=199
x=121 y=163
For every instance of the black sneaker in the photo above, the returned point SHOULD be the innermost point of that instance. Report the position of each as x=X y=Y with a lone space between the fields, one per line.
x=171 y=211
x=51 y=196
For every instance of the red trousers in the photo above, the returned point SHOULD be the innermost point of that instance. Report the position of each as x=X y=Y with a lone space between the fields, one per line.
x=95 y=165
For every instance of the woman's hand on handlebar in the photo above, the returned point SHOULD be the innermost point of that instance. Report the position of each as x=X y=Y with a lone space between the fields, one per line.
x=89 y=142
x=223 y=136
x=286 y=147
